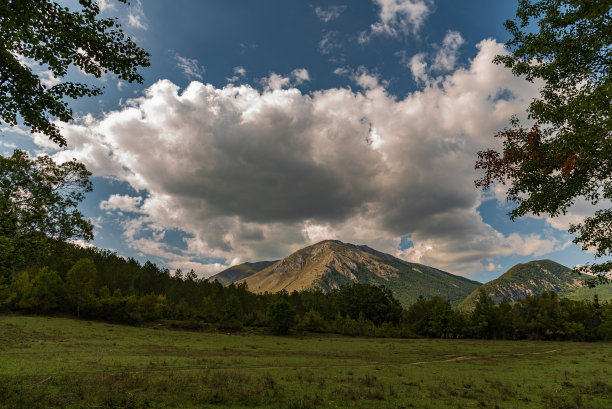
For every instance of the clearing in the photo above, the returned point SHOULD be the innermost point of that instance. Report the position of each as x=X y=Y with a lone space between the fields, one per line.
x=59 y=362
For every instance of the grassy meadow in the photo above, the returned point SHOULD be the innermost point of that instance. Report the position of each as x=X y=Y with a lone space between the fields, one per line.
x=66 y=363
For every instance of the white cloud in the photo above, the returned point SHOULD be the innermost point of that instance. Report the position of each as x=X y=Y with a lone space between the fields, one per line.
x=84 y=244
x=330 y=13
x=342 y=71
x=105 y=5
x=136 y=17
x=275 y=82
x=455 y=254
x=318 y=232
x=363 y=37
x=418 y=67
x=447 y=54
x=9 y=145
x=202 y=270
x=278 y=82
x=443 y=61
x=123 y=203
x=255 y=174
x=241 y=71
x=300 y=75
x=329 y=42
x=190 y=67
x=366 y=79
x=48 y=79
x=401 y=17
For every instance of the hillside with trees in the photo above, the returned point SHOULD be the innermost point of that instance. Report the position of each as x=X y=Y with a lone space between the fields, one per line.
x=532 y=278
x=95 y=284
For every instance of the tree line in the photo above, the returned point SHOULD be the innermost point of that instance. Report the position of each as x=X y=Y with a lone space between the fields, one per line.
x=98 y=284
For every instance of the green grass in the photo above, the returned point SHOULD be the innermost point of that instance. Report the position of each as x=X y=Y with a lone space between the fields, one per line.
x=57 y=362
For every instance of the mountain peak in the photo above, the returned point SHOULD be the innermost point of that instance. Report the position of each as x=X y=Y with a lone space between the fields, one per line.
x=525 y=279
x=330 y=264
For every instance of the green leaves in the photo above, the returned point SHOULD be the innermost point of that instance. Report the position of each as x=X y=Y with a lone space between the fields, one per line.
x=58 y=38
x=38 y=202
x=567 y=154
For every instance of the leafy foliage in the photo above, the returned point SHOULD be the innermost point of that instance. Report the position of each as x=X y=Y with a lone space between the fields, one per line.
x=375 y=303
x=281 y=315
x=80 y=280
x=567 y=153
x=53 y=36
x=38 y=202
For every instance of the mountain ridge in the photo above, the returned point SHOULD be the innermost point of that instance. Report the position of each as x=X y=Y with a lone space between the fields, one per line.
x=240 y=271
x=329 y=264
x=525 y=279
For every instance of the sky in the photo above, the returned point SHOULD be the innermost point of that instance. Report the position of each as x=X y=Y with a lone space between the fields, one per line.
x=263 y=127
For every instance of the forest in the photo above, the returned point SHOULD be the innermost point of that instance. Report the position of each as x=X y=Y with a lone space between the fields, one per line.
x=96 y=284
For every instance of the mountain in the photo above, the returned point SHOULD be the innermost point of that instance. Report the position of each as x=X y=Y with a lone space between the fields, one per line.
x=526 y=279
x=240 y=271
x=603 y=292
x=330 y=264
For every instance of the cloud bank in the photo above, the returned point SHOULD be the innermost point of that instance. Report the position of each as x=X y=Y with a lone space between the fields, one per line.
x=251 y=174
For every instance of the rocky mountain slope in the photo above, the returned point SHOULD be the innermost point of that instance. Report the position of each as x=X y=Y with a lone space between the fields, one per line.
x=330 y=264
x=240 y=271
x=526 y=279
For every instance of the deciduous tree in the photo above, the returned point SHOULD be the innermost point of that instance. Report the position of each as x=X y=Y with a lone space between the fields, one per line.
x=57 y=38
x=38 y=204
x=566 y=155
x=80 y=280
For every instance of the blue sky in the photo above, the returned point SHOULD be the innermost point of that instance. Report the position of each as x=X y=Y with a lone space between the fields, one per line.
x=262 y=127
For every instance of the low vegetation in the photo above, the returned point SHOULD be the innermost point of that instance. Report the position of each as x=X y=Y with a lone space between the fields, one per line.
x=58 y=362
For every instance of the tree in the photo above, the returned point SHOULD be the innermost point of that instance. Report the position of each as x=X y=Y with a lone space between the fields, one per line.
x=55 y=37
x=48 y=291
x=80 y=280
x=376 y=303
x=281 y=316
x=38 y=204
x=567 y=153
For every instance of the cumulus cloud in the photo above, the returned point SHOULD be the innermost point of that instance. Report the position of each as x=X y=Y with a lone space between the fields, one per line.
x=278 y=82
x=190 y=67
x=442 y=62
x=400 y=17
x=239 y=72
x=300 y=75
x=328 y=14
x=123 y=203
x=252 y=174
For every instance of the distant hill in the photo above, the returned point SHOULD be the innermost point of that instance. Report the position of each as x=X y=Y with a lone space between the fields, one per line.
x=604 y=293
x=330 y=264
x=526 y=279
x=240 y=271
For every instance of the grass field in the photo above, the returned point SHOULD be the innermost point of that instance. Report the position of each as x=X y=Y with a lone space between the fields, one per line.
x=65 y=363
